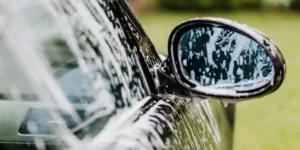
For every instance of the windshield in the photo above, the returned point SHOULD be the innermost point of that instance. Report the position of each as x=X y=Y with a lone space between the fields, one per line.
x=65 y=69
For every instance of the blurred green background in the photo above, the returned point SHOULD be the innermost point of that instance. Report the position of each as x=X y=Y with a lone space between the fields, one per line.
x=269 y=123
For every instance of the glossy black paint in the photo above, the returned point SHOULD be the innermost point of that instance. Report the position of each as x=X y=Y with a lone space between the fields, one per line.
x=137 y=39
x=272 y=50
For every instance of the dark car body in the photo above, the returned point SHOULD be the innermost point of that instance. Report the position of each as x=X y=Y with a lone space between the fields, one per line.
x=137 y=111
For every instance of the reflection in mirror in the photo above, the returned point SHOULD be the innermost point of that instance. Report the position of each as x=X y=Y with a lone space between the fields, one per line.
x=223 y=58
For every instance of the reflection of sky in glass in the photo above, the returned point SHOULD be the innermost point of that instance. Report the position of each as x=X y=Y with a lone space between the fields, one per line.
x=220 y=57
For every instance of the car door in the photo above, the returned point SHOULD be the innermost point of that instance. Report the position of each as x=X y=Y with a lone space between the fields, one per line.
x=195 y=123
x=100 y=47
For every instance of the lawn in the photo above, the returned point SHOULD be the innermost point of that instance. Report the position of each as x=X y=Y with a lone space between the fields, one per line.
x=269 y=123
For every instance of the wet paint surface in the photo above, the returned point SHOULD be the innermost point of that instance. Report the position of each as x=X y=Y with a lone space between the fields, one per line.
x=169 y=123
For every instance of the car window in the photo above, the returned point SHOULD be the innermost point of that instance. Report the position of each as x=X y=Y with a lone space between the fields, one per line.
x=70 y=56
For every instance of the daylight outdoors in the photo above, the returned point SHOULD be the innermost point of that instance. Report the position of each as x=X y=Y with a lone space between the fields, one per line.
x=269 y=123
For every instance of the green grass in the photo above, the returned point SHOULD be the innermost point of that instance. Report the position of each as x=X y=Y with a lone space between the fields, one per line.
x=269 y=123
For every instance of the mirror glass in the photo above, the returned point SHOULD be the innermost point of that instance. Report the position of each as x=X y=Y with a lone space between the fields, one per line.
x=223 y=58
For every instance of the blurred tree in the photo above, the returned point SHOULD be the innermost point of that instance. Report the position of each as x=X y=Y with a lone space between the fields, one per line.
x=252 y=4
x=195 y=4
x=295 y=5
x=136 y=5
x=209 y=4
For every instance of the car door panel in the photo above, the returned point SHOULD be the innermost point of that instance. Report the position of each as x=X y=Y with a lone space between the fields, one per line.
x=168 y=122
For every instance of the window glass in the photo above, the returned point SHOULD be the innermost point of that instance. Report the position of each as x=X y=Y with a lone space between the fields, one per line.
x=68 y=58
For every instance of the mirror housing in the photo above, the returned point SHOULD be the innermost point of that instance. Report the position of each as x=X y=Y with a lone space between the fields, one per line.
x=175 y=66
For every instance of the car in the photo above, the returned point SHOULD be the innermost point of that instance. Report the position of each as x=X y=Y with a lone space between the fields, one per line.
x=85 y=75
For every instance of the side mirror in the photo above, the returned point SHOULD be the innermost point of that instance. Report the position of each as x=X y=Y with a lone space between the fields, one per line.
x=213 y=57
